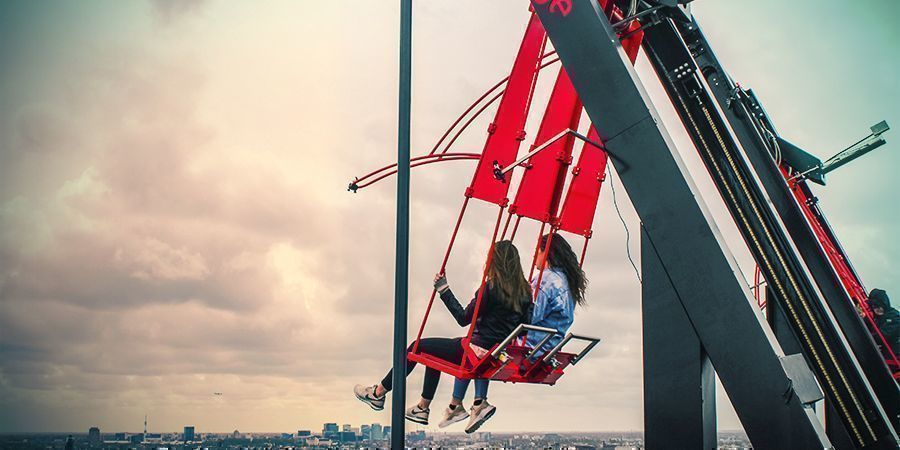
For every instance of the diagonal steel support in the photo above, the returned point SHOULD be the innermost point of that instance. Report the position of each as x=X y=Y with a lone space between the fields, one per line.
x=681 y=230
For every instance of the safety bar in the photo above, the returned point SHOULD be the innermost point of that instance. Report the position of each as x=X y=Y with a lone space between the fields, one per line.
x=519 y=329
x=593 y=342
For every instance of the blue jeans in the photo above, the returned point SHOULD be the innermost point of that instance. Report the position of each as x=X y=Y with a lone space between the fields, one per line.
x=460 y=386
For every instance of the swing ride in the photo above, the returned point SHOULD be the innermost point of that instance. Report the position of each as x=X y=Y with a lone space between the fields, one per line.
x=815 y=337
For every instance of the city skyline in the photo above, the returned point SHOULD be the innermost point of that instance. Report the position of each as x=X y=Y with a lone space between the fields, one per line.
x=176 y=239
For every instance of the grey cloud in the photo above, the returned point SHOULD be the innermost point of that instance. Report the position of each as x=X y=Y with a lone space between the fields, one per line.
x=167 y=11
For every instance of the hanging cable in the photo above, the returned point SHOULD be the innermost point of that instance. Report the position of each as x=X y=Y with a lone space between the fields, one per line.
x=612 y=188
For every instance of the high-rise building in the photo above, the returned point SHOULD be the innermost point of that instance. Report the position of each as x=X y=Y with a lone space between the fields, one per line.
x=346 y=427
x=94 y=435
x=330 y=430
x=387 y=433
x=188 y=434
x=304 y=433
x=377 y=433
x=365 y=431
x=418 y=435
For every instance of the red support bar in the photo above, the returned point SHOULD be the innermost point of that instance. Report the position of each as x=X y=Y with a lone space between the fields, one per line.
x=537 y=249
x=506 y=225
x=584 y=251
x=476 y=102
x=851 y=281
x=391 y=169
x=541 y=264
x=459 y=219
x=512 y=236
x=471 y=119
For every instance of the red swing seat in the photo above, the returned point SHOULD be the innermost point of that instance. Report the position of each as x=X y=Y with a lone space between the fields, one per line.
x=510 y=361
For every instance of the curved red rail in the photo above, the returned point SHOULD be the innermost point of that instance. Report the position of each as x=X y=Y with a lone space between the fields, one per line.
x=432 y=157
x=390 y=169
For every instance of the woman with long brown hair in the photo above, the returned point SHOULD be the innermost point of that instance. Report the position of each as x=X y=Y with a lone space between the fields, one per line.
x=562 y=287
x=505 y=303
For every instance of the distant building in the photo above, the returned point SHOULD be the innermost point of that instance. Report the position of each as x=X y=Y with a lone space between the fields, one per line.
x=94 y=436
x=347 y=436
x=365 y=431
x=303 y=433
x=346 y=427
x=236 y=435
x=121 y=437
x=483 y=436
x=387 y=433
x=189 y=434
x=330 y=430
x=70 y=443
x=377 y=433
x=416 y=435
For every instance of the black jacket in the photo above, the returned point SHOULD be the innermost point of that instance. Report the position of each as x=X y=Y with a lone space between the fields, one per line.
x=889 y=324
x=495 y=320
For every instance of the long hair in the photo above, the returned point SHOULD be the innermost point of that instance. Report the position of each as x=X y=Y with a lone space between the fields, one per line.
x=506 y=275
x=563 y=258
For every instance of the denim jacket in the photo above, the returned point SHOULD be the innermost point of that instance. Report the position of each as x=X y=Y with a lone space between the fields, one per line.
x=554 y=307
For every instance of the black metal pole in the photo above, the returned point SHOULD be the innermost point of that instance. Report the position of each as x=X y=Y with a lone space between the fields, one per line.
x=401 y=275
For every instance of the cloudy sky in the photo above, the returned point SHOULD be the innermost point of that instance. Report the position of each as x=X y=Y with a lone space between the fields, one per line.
x=174 y=219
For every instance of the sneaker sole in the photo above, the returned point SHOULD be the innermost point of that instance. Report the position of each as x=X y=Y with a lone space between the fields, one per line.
x=417 y=420
x=366 y=401
x=475 y=426
x=447 y=423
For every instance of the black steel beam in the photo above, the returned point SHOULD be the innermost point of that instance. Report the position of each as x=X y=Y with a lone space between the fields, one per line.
x=778 y=321
x=811 y=320
x=681 y=230
x=749 y=122
x=679 y=381
x=401 y=273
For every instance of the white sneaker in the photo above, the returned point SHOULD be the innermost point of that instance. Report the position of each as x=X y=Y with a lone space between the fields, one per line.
x=366 y=394
x=479 y=415
x=452 y=416
x=417 y=415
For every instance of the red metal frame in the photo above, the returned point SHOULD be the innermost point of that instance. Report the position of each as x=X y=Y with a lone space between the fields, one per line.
x=538 y=197
x=507 y=131
x=577 y=215
x=841 y=263
x=542 y=182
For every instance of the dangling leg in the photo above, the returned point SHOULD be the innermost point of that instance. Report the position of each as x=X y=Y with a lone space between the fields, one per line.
x=481 y=410
x=456 y=412
x=448 y=350
x=374 y=395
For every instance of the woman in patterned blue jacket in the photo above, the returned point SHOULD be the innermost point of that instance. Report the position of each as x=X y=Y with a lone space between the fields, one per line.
x=562 y=288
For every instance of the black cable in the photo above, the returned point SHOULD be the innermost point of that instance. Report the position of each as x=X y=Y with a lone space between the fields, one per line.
x=612 y=187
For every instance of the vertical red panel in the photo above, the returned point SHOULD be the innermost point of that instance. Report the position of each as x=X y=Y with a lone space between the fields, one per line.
x=542 y=183
x=581 y=201
x=577 y=215
x=508 y=129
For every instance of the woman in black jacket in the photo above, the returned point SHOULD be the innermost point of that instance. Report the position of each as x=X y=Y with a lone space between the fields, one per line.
x=505 y=304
